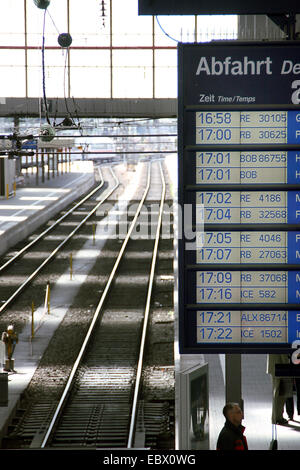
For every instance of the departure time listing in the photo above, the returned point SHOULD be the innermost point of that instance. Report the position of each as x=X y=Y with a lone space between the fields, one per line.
x=215 y=165
x=245 y=326
x=247 y=127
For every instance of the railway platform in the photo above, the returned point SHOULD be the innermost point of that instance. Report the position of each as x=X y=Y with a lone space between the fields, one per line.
x=27 y=355
x=32 y=204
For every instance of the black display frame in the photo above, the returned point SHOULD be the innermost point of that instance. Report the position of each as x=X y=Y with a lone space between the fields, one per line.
x=204 y=7
x=188 y=86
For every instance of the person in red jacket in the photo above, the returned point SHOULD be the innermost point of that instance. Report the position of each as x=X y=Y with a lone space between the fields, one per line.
x=232 y=436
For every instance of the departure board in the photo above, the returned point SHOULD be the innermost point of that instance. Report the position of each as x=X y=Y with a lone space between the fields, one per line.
x=239 y=196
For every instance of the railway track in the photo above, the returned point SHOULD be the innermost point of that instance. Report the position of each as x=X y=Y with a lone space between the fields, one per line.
x=44 y=245
x=99 y=406
x=102 y=405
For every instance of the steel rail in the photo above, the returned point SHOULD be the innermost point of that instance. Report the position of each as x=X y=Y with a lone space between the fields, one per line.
x=130 y=442
x=76 y=365
x=54 y=252
x=51 y=227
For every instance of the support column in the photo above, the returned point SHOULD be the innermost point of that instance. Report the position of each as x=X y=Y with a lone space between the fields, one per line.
x=57 y=162
x=48 y=164
x=53 y=163
x=43 y=164
x=37 y=167
x=233 y=379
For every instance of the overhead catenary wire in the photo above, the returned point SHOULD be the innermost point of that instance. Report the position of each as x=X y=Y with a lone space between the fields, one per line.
x=65 y=73
x=43 y=70
x=168 y=35
x=58 y=32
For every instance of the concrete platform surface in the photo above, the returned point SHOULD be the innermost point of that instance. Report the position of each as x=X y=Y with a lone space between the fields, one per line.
x=34 y=204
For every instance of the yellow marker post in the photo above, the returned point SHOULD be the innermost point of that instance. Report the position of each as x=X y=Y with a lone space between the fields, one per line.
x=32 y=320
x=48 y=303
x=7 y=191
x=71 y=266
x=47 y=299
x=15 y=189
x=94 y=234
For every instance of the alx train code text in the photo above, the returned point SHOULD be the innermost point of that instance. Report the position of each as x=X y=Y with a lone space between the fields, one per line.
x=227 y=326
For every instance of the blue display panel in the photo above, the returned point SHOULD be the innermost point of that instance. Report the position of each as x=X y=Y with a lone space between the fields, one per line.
x=242 y=206
x=239 y=173
x=244 y=127
x=247 y=247
x=247 y=287
x=217 y=167
x=246 y=327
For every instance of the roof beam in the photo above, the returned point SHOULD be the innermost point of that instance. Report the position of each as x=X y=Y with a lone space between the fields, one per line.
x=90 y=107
